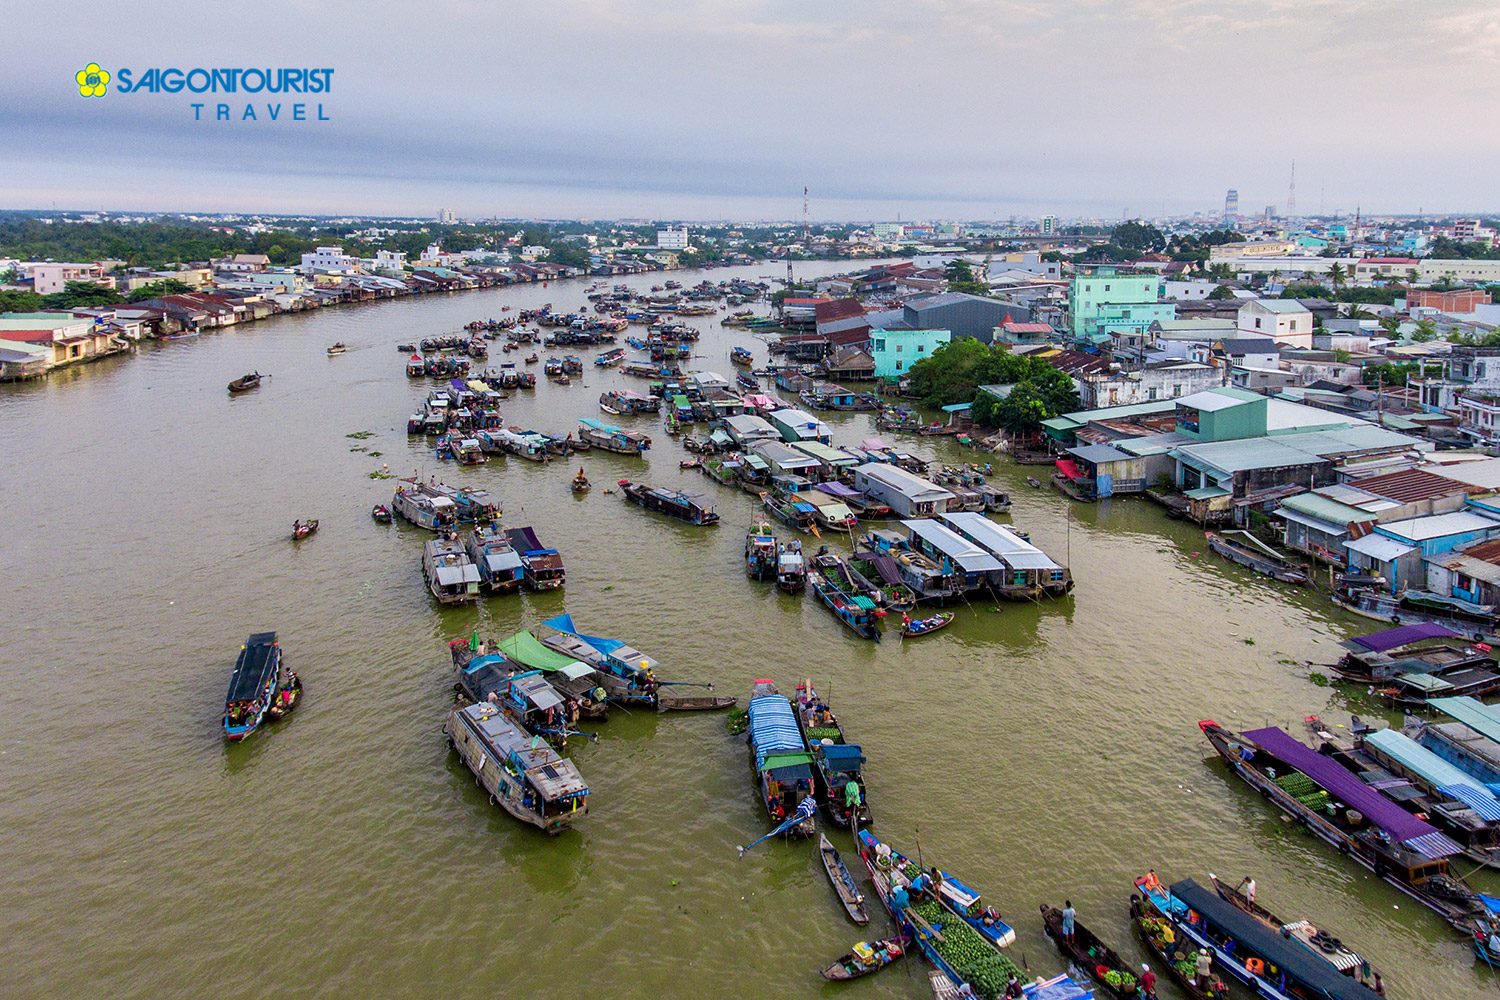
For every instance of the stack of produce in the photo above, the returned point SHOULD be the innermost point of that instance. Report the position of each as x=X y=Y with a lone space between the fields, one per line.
x=1304 y=790
x=971 y=956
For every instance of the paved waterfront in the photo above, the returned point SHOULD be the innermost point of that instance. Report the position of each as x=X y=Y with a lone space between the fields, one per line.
x=1043 y=751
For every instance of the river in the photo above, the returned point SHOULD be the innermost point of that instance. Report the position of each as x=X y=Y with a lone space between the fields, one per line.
x=1038 y=751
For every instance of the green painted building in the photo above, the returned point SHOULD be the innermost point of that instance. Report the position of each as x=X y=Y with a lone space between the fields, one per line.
x=895 y=350
x=1101 y=296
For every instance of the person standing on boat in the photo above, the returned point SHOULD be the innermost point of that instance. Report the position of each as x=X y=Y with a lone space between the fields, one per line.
x=1069 y=915
x=851 y=798
x=1250 y=889
x=1148 y=982
x=1013 y=988
x=1205 y=961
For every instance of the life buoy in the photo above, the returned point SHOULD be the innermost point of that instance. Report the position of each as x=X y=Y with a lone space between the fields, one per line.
x=1255 y=966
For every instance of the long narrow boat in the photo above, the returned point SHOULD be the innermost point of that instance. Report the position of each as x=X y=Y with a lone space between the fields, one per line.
x=253 y=686
x=842 y=882
x=1247 y=550
x=837 y=763
x=791 y=566
x=1086 y=951
x=1400 y=848
x=779 y=761
x=1159 y=938
x=525 y=777
x=628 y=675
x=867 y=957
x=245 y=382
x=760 y=551
x=856 y=611
x=916 y=628
x=1317 y=939
x=956 y=897
x=685 y=505
x=1271 y=965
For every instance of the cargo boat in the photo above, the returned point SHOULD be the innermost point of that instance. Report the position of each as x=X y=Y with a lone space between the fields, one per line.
x=526 y=778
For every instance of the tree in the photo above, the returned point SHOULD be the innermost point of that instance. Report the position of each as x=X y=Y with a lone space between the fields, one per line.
x=1220 y=272
x=1135 y=236
x=1391 y=325
x=1336 y=275
x=1222 y=293
x=156 y=289
x=12 y=300
x=1426 y=330
x=1356 y=311
x=958 y=269
x=76 y=294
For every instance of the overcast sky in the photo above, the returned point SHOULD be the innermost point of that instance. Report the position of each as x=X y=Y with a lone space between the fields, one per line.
x=695 y=109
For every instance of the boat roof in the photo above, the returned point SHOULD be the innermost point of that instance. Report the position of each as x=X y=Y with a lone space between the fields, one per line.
x=1471 y=712
x=825 y=453
x=1299 y=962
x=1403 y=635
x=1013 y=550
x=552 y=776
x=501 y=560
x=576 y=671
x=600 y=425
x=465 y=572
x=254 y=667
x=525 y=540
x=1344 y=784
x=839 y=490
x=1436 y=771
x=773 y=728
x=484 y=674
x=528 y=651
x=911 y=485
x=969 y=557
x=535 y=689
x=615 y=649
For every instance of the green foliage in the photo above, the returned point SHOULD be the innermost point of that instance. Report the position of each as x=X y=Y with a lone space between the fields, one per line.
x=81 y=293
x=1136 y=236
x=19 y=301
x=1446 y=248
x=959 y=270
x=954 y=372
x=1426 y=330
x=156 y=289
x=1389 y=374
x=1221 y=293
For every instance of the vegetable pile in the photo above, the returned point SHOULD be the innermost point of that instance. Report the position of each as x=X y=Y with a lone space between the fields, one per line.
x=971 y=956
x=819 y=733
x=1304 y=790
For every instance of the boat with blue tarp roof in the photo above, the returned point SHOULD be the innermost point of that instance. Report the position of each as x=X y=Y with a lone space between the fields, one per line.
x=626 y=673
x=837 y=764
x=521 y=773
x=499 y=565
x=779 y=760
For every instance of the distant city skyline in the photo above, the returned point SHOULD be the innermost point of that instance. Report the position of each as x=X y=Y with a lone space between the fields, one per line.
x=697 y=110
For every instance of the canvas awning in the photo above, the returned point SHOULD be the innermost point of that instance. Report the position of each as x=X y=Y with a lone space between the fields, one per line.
x=1404 y=635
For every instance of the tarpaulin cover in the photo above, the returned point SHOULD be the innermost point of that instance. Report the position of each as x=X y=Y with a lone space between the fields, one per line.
x=1403 y=635
x=1435 y=771
x=773 y=728
x=1069 y=468
x=1345 y=785
x=1299 y=962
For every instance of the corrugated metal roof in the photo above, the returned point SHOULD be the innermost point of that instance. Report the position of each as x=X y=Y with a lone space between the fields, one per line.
x=1419 y=529
x=1098 y=453
x=1431 y=768
x=1411 y=485
x=968 y=556
x=1378 y=547
x=1325 y=510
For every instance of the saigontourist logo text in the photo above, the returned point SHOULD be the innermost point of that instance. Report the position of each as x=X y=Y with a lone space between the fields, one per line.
x=95 y=82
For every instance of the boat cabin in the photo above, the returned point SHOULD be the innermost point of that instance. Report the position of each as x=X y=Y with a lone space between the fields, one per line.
x=253 y=685
x=799 y=425
x=973 y=566
x=611 y=438
x=1028 y=572
x=779 y=760
x=500 y=567
x=906 y=493
x=527 y=778
x=542 y=567
x=785 y=460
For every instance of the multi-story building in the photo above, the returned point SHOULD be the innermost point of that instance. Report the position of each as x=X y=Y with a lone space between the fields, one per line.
x=1285 y=320
x=1479 y=417
x=328 y=259
x=49 y=277
x=1231 y=207
x=1049 y=225
x=1103 y=294
x=894 y=350
x=672 y=239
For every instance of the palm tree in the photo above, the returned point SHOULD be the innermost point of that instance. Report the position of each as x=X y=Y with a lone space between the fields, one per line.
x=1391 y=325
x=1411 y=277
x=1357 y=311
x=1336 y=275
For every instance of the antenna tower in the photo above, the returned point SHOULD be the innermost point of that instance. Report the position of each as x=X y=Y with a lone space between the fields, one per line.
x=1291 y=193
x=804 y=216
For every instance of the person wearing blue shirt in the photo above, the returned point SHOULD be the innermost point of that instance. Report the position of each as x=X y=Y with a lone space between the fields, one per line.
x=1069 y=915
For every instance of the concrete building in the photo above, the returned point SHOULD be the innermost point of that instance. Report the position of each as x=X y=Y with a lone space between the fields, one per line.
x=1103 y=293
x=48 y=278
x=672 y=239
x=1162 y=380
x=328 y=259
x=1284 y=320
x=1479 y=418
x=963 y=315
x=894 y=350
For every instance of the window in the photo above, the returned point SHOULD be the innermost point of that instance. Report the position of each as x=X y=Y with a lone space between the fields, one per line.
x=1151 y=394
x=921 y=348
x=898 y=364
x=1176 y=389
x=880 y=344
x=898 y=348
x=1106 y=288
x=1257 y=322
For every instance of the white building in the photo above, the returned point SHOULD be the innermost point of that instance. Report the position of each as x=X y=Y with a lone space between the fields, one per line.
x=1188 y=291
x=445 y=217
x=389 y=262
x=50 y=277
x=245 y=262
x=1479 y=418
x=672 y=239
x=328 y=259
x=1284 y=320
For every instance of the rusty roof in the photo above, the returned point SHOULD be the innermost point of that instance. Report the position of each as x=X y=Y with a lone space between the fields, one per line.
x=1412 y=485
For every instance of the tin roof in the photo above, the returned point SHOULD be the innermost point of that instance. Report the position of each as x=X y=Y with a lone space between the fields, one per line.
x=1411 y=485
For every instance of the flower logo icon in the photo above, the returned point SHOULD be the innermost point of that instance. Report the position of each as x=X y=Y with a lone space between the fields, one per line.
x=92 y=81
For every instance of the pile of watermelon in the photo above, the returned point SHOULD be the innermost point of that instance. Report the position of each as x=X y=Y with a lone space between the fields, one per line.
x=962 y=947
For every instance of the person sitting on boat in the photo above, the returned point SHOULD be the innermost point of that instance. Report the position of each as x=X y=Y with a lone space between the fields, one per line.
x=899 y=899
x=1151 y=883
x=921 y=884
x=1136 y=909
x=989 y=916
x=778 y=811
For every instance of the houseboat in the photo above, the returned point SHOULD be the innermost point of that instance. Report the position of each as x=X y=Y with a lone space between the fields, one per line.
x=627 y=673
x=610 y=358
x=760 y=551
x=779 y=761
x=623 y=402
x=490 y=550
x=1469 y=738
x=578 y=682
x=791 y=566
x=792 y=512
x=1027 y=573
x=451 y=577
x=1404 y=670
x=934 y=581
x=435 y=513
x=468 y=452
x=741 y=356
x=527 y=778
x=1405 y=851
x=469 y=504
x=685 y=505
x=254 y=686
x=616 y=439
x=906 y=493
x=542 y=568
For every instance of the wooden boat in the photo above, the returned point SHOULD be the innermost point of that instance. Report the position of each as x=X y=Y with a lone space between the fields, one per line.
x=449 y=572
x=301 y=529
x=381 y=513
x=792 y=512
x=694 y=702
x=688 y=506
x=1092 y=955
x=842 y=882
x=689 y=463
x=1400 y=848
x=914 y=628
x=1318 y=940
x=406 y=348
x=856 y=611
x=245 y=382
x=1151 y=930
x=581 y=483
x=526 y=777
x=867 y=957
x=836 y=762
x=1033 y=482
x=955 y=897
x=761 y=551
x=791 y=566
x=337 y=348
x=779 y=761
x=254 y=685
x=287 y=697
x=1247 y=550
